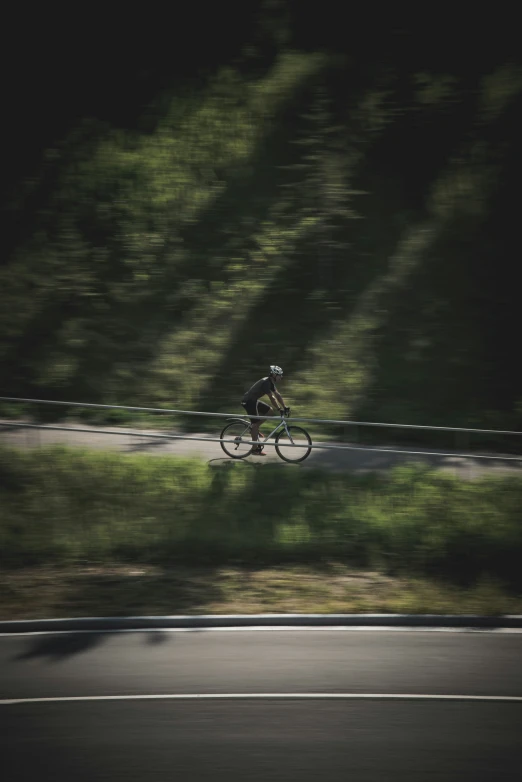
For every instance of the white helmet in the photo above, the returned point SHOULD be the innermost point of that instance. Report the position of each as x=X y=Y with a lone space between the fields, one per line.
x=275 y=370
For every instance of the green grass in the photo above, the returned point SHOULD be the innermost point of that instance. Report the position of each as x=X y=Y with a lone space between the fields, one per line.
x=331 y=587
x=64 y=506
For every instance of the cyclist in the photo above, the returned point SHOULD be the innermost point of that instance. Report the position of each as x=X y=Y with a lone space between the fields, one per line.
x=254 y=406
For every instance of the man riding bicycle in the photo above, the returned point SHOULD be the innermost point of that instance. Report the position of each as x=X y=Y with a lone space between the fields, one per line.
x=254 y=406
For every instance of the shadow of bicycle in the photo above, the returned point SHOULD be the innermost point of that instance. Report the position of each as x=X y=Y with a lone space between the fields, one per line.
x=249 y=461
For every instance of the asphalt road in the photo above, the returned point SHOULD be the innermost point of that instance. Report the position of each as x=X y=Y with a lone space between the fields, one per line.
x=272 y=733
x=358 y=460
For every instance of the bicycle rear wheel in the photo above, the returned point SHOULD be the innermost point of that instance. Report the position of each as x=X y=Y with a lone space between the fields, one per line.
x=241 y=435
x=285 y=444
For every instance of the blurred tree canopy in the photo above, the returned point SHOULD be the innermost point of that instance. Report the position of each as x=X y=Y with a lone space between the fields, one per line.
x=186 y=203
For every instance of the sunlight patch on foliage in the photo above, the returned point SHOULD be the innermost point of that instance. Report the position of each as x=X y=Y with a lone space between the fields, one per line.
x=342 y=362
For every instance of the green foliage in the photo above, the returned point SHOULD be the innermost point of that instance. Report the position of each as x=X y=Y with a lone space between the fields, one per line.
x=65 y=506
x=353 y=224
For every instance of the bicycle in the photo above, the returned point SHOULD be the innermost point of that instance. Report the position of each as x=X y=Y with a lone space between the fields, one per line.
x=239 y=431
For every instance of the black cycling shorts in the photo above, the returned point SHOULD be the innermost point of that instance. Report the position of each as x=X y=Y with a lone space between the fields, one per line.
x=255 y=407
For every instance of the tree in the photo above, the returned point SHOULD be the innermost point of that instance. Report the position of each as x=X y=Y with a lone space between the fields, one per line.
x=319 y=193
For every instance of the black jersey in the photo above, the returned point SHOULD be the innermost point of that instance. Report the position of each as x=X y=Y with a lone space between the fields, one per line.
x=259 y=389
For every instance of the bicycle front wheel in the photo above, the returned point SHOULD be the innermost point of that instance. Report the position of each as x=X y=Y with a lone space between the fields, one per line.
x=285 y=444
x=241 y=435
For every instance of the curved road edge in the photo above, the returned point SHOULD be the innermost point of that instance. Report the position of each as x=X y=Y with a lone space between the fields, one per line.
x=209 y=621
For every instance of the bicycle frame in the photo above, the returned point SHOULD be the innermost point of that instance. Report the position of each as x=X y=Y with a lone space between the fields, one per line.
x=281 y=425
x=242 y=437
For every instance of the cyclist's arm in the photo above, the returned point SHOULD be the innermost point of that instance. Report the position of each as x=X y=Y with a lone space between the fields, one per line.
x=276 y=399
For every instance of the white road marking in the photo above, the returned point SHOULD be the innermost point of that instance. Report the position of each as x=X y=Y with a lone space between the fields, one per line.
x=273 y=629
x=269 y=696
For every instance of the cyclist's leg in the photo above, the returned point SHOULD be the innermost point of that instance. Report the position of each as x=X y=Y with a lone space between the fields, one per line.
x=262 y=409
x=250 y=408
